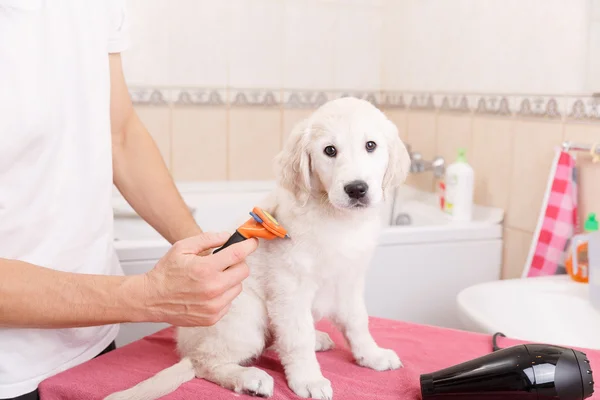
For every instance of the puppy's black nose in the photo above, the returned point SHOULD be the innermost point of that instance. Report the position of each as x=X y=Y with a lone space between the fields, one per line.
x=356 y=189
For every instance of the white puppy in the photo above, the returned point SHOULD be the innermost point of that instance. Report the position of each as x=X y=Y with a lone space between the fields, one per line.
x=333 y=175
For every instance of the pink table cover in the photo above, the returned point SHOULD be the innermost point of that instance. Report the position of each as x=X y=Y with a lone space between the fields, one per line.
x=422 y=349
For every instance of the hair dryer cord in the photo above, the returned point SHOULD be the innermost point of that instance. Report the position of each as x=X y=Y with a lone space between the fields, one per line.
x=495 y=339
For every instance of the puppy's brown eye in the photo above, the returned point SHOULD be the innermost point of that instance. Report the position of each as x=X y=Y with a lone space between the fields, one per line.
x=371 y=146
x=330 y=151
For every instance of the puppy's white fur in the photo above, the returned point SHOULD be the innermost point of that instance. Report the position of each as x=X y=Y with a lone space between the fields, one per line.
x=318 y=273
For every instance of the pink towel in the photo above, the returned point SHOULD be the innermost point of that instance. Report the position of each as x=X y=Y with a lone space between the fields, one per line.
x=558 y=221
x=423 y=349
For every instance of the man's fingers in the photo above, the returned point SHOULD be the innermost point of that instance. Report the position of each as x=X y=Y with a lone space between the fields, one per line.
x=200 y=243
x=224 y=301
x=235 y=275
x=234 y=254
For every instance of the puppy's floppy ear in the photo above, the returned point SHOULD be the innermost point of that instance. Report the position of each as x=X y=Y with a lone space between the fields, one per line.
x=398 y=161
x=293 y=162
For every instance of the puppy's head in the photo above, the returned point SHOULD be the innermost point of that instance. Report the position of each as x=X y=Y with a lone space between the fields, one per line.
x=347 y=152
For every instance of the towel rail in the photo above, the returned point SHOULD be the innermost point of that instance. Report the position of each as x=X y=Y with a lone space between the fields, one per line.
x=570 y=146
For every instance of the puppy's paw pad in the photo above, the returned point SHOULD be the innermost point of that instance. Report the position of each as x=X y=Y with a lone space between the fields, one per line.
x=380 y=360
x=314 y=389
x=255 y=382
x=323 y=342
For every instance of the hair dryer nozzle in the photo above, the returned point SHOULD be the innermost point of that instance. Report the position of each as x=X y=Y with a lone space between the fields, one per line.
x=530 y=371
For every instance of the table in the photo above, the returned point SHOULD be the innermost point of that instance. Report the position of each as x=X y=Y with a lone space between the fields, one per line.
x=422 y=349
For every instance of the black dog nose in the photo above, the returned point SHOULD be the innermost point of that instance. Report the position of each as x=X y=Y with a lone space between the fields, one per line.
x=356 y=189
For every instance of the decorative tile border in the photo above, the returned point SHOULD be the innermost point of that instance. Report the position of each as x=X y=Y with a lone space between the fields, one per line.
x=200 y=97
x=582 y=108
x=495 y=105
x=540 y=107
x=150 y=96
x=304 y=100
x=254 y=98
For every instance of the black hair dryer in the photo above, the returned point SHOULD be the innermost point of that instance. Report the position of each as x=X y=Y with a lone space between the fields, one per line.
x=531 y=371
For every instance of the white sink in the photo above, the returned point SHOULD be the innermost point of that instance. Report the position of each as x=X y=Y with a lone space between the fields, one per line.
x=554 y=310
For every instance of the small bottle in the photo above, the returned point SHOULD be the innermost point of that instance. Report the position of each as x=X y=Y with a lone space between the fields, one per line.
x=458 y=201
x=577 y=262
x=594 y=266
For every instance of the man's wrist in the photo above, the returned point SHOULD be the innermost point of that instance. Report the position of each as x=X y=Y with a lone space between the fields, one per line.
x=134 y=295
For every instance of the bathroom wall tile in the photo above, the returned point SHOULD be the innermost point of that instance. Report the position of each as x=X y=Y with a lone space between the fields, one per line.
x=256 y=44
x=199 y=143
x=400 y=119
x=421 y=128
x=357 y=50
x=146 y=61
x=582 y=133
x=492 y=159
x=158 y=122
x=593 y=48
x=198 y=43
x=595 y=8
x=453 y=133
x=308 y=54
x=290 y=118
x=534 y=151
x=252 y=132
x=516 y=249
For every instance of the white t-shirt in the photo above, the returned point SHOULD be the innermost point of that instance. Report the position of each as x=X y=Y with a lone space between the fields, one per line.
x=55 y=164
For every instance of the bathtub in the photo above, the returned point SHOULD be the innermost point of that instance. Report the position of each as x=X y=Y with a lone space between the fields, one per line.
x=423 y=260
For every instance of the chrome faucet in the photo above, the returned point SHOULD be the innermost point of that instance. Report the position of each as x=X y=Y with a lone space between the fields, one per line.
x=418 y=165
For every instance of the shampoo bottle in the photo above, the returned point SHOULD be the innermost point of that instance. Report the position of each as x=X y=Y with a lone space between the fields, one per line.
x=577 y=262
x=458 y=201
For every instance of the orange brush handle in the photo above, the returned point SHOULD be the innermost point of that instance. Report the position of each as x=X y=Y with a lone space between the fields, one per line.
x=262 y=225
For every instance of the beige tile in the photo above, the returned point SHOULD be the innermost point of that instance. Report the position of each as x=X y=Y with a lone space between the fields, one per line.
x=200 y=143
x=157 y=119
x=491 y=158
x=534 y=146
x=582 y=133
x=290 y=118
x=453 y=132
x=421 y=132
x=516 y=249
x=421 y=137
x=254 y=140
x=400 y=119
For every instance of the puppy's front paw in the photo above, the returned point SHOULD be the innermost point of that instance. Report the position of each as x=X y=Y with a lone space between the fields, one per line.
x=323 y=342
x=312 y=389
x=379 y=359
x=255 y=382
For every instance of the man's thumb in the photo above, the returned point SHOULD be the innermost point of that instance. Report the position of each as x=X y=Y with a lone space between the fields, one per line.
x=202 y=242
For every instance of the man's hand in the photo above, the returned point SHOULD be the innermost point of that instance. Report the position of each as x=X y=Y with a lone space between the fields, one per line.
x=185 y=289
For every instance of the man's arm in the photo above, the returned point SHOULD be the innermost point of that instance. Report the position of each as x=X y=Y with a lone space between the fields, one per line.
x=182 y=289
x=140 y=173
x=37 y=297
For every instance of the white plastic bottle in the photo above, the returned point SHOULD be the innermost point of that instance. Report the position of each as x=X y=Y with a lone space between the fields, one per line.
x=459 y=179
